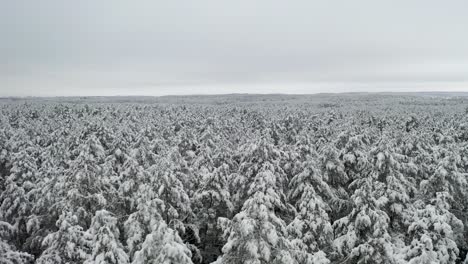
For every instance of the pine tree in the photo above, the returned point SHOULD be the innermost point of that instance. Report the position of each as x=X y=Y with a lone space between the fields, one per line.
x=257 y=235
x=162 y=246
x=333 y=172
x=45 y=196
x=448 y=178
x=8 y=253
x=139 y=223
x=105 y=234
x=397 y=186
x=131 y=177
x=69 y=244
x=15 y=202
x=311 y=226
x=434 y=231
x=362 y=236
x=84 y=185
x=212 y=200
x=171 y=192
x=254 y=158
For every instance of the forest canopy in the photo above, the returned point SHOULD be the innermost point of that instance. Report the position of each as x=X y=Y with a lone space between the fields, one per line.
x=357 y=178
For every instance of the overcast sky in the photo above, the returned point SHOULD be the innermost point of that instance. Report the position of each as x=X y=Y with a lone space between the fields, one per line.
x=116 y=47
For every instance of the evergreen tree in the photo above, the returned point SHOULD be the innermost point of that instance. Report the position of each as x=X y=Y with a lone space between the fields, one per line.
x=8 y=253
x=212 y=200
x=362 y=236
x=448 y=178
x=171 y=192
x=147 y=215
x=257 y=234
x=254 y=158
x=69 y=244
x=311 y=226
x=107 y=248
x=15 y=200
x=162 y=246
x=83 y=185
x=434 y=231
x=333 y=172
x=398 y=187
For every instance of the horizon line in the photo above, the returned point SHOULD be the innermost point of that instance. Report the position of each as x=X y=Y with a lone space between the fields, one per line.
x=232 y=94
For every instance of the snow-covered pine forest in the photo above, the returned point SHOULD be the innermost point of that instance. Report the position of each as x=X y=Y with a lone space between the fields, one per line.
x=234 y=179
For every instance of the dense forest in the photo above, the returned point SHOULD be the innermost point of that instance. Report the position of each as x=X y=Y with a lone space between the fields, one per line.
x=241 y=179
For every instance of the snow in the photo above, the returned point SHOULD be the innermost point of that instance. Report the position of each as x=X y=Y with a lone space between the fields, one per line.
x=328 y=179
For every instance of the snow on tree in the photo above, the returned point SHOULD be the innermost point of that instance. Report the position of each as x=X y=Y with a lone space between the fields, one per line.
x=171 y=192
x=84 y=185
x=254 y=158
x=106 y=246
x=212 y=200
x=24 y=179
x=272 y=172
x=333 y=169
x=333 y=173
x=397 y=186
x=362 y=236
x=143 y=152
x=434 y=231
x=131 y=177
x=69 y=244
x=310 y=231
x=311 y=226
x=163 y=246
x=139 y=224
x=15 y=203
x=448 y=178
x=170 y=178
x=206 y=146
x=8 y=253
x=352 y=153
x=257 y=235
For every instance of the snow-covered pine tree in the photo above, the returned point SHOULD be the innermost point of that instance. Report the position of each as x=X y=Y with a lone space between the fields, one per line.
x=177 y=164
x=130 y=178
x=311 y=228
x=171 y=180
x=448 y=177
x=362 y=236
x=69 y=244
x=163 y=246
x=212 y=200
x=8 y=253
x=46 y=195
x=170 y=190
x=353 y=153
x=398 y=187
x=333 y=173
x=15 y=202
x=106 y=246
x=253 y=158
x=434 y=231
x=143 y=152
x=310 y=232
x=83 y=186
x=140 y=223
x=146 y=231
x=257 y=234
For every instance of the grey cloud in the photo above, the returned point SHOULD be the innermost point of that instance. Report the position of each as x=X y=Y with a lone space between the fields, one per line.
x=157 y=47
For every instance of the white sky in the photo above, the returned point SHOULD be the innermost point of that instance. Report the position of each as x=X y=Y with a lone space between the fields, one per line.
x=156 y=47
